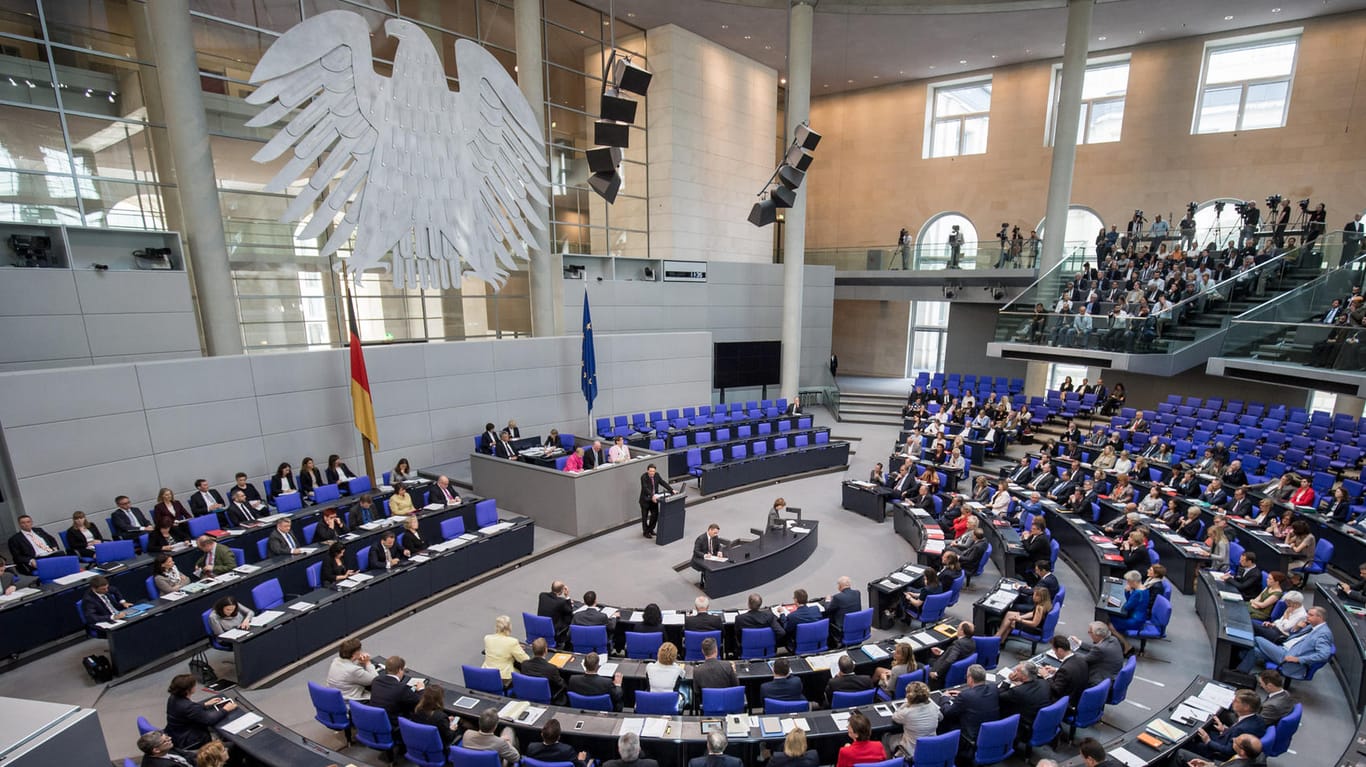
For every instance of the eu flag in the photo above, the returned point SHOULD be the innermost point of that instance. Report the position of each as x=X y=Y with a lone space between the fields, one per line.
x=589 y=382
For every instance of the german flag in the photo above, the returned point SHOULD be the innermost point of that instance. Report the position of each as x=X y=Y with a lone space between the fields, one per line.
x=362 y=406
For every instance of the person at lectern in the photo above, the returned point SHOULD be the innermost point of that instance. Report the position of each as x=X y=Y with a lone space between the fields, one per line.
x=775 y=514
x=708 y=544
x=651 y=485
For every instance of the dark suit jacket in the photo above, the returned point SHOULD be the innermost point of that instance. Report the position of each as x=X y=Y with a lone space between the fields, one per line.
x=702 y=622
x=960 y=648
x=714 y=673
x=758 y=619
x=558 y=609
x=1026 y=700
x=646 y=494
x=377 y=556
x=841 y=604
x=1036 y=548
x=1050 y=582
x=188 y=723
x=555 y=752
x=641 y=762
x=1220 y=746
x=715 y=760
x=972 y=555
x=333 y=476
x=277 y=546
x=199 y=507
x=807 y=613
x=127 y=528
x=486 y=442
x=846 y=683
x=92 y=608
x=394 y=696
x=157 y=542
x=973 y=706
x=504 y=449
x=21 y=550
x=592 y=459
x=1248 y=581
x=411 y=542
x=786 y=688
x=440 y=721
x=1043 y=483
x=165 y=761
x=75 y=539
x=543 y=668
x=1104 y=660
x=592 y=684
x=310 y=480
x=1070 y=680
x=238 y=517
x=1136 y=559
x=780 y=759
x=249 y=490
x=704 y=545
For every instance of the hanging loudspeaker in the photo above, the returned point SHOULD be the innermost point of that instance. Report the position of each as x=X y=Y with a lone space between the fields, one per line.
x=789 y=176
x=806 y=138
x=618 y=109
x=606 y=185
x=798 y=158
x=783 y=197
x=608 y=133
x=763 y=213
x=630 y=77
x=604 y=159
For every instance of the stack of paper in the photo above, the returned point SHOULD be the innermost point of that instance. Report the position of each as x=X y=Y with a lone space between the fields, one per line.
x=630 y=724
x=234 y=634
x=302 y=606
x=654 y=727
x=1127 y=758
x=241 y=723
x=246 y=569
x=607 y=669
x=498 y=528
x=266 y=617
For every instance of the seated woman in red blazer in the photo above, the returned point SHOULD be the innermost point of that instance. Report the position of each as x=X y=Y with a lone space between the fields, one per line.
x=168 y=507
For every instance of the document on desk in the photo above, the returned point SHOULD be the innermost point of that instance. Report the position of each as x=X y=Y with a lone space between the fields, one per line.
x=234 y=634
x=1207 y=707
x=266 y=618
x=21 y=593
x=174 y=596
x=874 y=652
x=246 y=569
x=889 y=584
x=607 y=669
x=67 y=580
x=901 y=577
x=654 y=727
x=1189 y=715
x=498 y=528
x=675 y=619
x=798 y=723
x=800 y=530
x=841 y=719
x=434 y=506
x=1218 y=694
x=1127 y=758
x=302 y=606
x=241 y=723
x=631 y=724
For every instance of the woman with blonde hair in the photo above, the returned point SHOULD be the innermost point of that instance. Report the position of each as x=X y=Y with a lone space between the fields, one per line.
x=919 y=718
x=501 y=649
x=794 y=753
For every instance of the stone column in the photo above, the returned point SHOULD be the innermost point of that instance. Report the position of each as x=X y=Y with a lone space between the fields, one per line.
x=547 y=296
x=1067 y=116
x=1348 y=404
x=178 y=74
x=800 y=21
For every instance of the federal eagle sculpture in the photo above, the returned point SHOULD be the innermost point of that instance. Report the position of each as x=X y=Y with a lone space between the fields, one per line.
x=425 y=175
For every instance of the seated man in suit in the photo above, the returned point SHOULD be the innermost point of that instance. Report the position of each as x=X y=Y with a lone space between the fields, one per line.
x=1247 y=578
x=556 y=605
x=390 y=692
x=961 y=647
x=102 y=603
x=443 y=493
x=1103 y=654
x=248 y=489
x=1217 y=746
x=240 y=512
x=1035 y=542
x=351 y=671
x=549 y=749
x=971 y=557
x=802 y=613
x=30 y=544
x=708 y=544
x=1247 y=752
x=1024 y=693
x=158 y=750
x=716 y=755
x=845 y=600
x=967 y=708
x=1068 y=678
x=538 y=665
x=712 y=671
x=383 y=554
x=282 y=542
x=794 y=406
x=846 y=680
x=595 y=456
x=757 y=617
x=364 y=512
x=1309 y=646
x=1044 y=576
x=784 y=686
x=700 y=619
x=216 y=559
x=205 y=499
x=488 y=440
x=590 y=683
x=487 y=739
x=129 y=521
x=1277 y=702
x=504 y=448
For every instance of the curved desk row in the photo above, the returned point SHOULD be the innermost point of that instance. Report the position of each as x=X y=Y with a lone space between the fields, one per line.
x=1178 y=729
x=750 y=563
x=1183 y=558
x=1084 y=545
x=1345 y=620
x=265 y=741
x=776 y=464
x=1227 y=623
x=676 y=458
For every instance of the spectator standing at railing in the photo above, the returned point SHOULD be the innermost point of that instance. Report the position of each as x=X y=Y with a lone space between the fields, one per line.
x=1032 y=246
x=1352 y=235
x=903 y=244
x=1318 y=222
x=1159 y=230
x=955 y=246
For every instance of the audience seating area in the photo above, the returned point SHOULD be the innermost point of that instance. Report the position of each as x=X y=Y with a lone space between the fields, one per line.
x=660 y=422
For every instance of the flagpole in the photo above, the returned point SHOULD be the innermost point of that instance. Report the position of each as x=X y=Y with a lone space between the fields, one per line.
x=351 y=322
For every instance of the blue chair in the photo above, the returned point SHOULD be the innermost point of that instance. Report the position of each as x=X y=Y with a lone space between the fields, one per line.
x=483 y=679
x=372 y=727
x=263 y=548
x=692 y=643
x=1156 y=625
x=657 y=702
x=958 y=672
x=314 y=574
x=325 y=493
x=150 y=583
x=359 y=485
x=1279 y=742
x=329 y=708
x=858 y=627
x=198 y=526
x=933 y=609
x=956 y=587
x=1090 y=708
x=813 y=637
x=757 y=643
x=1309 y=673
x=850 y=699
x=1120 y=689
x=145 y=726
x=1045 y=633
x=643 y=646
x=586 y=639
x=52 y=568
x=486 y=513
x=988 y=651
x=268 y=595
x=422 y=743
x=921 y=674
x=1053 y=549
x=538 y=627
x=533 y=688
x=214 y=641
x=937 y=751
x=363 y=558
x=289 y=503
x=452 y=528
x=1323 y=554
x=717 y=701
x=695 y=461
x=591 y=702
x=981 y=566
x=775 y=706
x=996 y=740
x=466 y=757
x=1047 y=724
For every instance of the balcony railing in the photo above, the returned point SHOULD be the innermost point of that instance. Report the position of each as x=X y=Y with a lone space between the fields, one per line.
x=927 y=256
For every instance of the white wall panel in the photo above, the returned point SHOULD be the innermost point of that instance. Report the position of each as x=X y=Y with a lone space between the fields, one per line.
x=67 y=445
x=134 y=334
x=59 y=395
x=207 y=423
x=31 y=339
x=187 y=382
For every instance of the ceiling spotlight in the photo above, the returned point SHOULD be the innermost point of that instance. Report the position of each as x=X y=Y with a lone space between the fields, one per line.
x=725 y=26
x=782 y=81
x=962 y=61
x=749 y=37
x=1228 y=18
x=1275 y=10
x=630 y=14
x=1102 y=38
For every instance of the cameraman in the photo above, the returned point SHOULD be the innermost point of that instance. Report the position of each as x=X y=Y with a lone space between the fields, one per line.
x=1318 y=220
x=1004 y=237
x=1278 y=236
x=955 y=247
x=1187 y=228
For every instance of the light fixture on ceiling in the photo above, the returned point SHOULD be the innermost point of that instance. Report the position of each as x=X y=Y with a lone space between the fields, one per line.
x=630 y=14
x=851 y=82
x=782 y=81
x=725 y=26
x=993 y=55
x=1228 y=18
x=876 y=77
x=1275 y=10
x=931 y=66
x=768 y=47
x=1102 y=38
x=962 y=61
x=749 y=37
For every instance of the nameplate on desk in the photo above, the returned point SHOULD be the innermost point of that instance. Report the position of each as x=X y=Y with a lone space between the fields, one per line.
x=434 y=506
x=67 y=580
x=901 y=577
x=246 y=569
x=266 y=617
x=496 y=528
x=302 y=606
x=242 y=723
x=466 y=702
x=800 y=530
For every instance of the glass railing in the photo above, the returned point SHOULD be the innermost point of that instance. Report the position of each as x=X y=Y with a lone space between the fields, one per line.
x=972 y=255
x=1046 y=289
x=1195 y=318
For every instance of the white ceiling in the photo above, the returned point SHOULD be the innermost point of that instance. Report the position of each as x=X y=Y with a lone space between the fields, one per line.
x=866 y=43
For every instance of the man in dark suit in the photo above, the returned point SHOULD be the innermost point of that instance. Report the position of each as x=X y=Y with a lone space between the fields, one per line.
x=628 y=746
x=1217 y=746
x=1247 y=578
x=651 y=484
x=1234 y=475
x=557 y=606
x=968 y=708
x=1278 y=702
x=971 y=557
x=204 y=499
x=282 y=542
x=512 y=429
x=392 y=694
x=103 y=602
x=1241 y=505
x=794 y=406
x=756 y=617
x=504 y=448
x=1043 y=481
x=802 y=613
x=784 y=686
x=1068 y=679
x=846 y=680
x=1024 y=694
x=383 y=555
x=590 y=683
x=716 y=755
x=712 y=671
x=592 y=615
x=1063 y=487
x=595 y=456
x=961 y=647
x=707 y=544
x=1044 y=576
x=537 y=665
x=700 y=619
x=443 y=493
x=1035 y=542
x=1022 y=473
x=129 y=521
x=240 y=512
x=363 y=512
x=1214 y=494
x=1103 y=654
x=845 y=600
x=30 y=544
x=158 y=750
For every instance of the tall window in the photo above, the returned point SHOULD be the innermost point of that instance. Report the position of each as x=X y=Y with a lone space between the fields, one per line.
x=932 y=245
x=1082 y=227
x=1102 y=102
x=1246 y=84
x=958 y=115
x=1058 y=371
x=928 y=337
x=1219 y=226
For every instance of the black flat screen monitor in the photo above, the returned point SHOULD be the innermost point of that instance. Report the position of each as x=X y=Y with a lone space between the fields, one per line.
x=746 y=363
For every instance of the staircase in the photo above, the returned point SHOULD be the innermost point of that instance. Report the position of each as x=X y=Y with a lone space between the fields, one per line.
x=884 y=409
